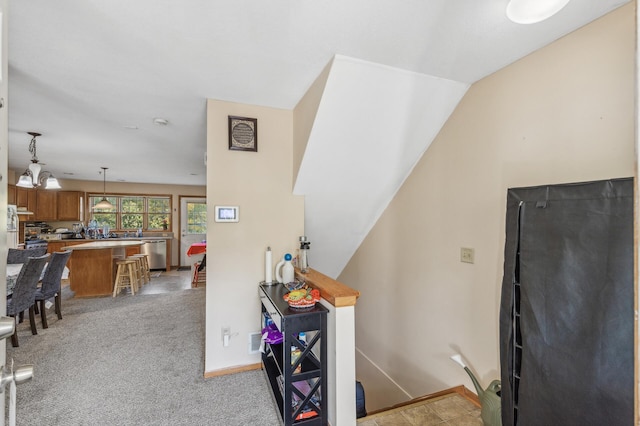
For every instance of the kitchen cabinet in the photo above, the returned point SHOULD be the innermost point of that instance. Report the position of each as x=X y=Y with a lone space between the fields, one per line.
x=298 y=384
x=11 y=194
x=26 y=198
x=50 y=205
x=46 y=205
x=69 y=205
x=130 y=251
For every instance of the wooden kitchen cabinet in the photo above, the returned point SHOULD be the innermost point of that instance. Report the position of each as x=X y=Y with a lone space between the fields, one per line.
x=69 y=205
x=26 y=198
x=46 y=205
x=11 y=194
x=49 y=205
x=130 y=251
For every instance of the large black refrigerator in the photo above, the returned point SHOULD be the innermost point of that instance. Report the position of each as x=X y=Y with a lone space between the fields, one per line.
x=567 y=307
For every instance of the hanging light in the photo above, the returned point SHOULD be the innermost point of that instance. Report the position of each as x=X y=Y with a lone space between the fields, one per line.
x=104 y=203
x=33 y=177
x=532 y=11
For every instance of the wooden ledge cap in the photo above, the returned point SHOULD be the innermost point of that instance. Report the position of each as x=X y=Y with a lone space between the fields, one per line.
x=334 y=292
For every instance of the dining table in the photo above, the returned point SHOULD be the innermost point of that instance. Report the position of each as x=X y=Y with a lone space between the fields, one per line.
x=197 y=248
x=13 y=270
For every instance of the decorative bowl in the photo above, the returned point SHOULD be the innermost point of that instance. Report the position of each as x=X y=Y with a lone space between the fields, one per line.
x=304 y=298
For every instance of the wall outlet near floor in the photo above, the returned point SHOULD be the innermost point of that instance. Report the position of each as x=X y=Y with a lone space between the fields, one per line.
x=467 y=255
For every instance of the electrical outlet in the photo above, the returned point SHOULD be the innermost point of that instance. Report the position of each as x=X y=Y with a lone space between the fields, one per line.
x=226 y=335
x=466 y=255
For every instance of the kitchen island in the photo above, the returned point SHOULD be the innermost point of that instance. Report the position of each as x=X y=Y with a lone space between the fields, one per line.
x=57 y=245
x=94 y=267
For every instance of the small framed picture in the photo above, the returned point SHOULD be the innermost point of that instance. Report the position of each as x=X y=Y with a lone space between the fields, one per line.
x=227 y=214
x=243 y=134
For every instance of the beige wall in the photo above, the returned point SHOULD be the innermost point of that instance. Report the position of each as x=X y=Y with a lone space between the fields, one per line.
x=175 y=191
x=260 y=183
x=304 y=115
x=562 y=114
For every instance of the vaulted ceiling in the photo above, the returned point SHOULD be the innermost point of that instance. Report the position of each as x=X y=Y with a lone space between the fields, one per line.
x=91 y=75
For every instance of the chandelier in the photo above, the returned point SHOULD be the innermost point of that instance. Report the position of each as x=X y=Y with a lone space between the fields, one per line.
x=34 y=176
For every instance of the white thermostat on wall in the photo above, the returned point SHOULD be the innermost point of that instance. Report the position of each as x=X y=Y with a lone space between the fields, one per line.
x=227 y=214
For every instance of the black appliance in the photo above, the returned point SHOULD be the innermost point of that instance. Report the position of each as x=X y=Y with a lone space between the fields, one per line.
x=35 y=243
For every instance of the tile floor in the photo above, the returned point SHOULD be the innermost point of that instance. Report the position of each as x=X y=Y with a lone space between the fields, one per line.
x=162 y=282
x=447 y=410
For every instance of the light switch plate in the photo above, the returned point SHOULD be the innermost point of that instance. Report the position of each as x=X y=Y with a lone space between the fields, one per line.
x=467 y=255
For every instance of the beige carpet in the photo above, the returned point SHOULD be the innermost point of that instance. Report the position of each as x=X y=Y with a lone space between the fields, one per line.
x=133 y=360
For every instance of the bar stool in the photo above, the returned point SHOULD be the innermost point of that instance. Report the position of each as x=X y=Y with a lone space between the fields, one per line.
x=138 y=268
x=126 y=276
x=146 y=271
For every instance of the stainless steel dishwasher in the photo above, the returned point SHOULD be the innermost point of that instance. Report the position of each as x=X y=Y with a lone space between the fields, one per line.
x=157 y=251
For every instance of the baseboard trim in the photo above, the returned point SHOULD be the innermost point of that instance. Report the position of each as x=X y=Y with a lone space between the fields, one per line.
x=466 y=393
x=460 y=390
x=232 y=370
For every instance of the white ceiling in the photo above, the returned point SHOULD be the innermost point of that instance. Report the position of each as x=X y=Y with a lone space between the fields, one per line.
x=81 y=71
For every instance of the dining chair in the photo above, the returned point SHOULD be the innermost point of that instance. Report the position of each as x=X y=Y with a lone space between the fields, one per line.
x=21 y=255
x=24 y=293
x=51 y=285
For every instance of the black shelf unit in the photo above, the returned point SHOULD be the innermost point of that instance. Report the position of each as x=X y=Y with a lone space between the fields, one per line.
x=299 y=390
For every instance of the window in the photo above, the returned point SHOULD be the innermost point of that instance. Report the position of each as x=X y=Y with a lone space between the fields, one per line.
x=158 y=213
x=130 y=212
x=196 y=217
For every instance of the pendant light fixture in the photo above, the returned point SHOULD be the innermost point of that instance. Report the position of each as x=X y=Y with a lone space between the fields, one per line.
x=34 y=177
x=104 y=203
x=533 y=11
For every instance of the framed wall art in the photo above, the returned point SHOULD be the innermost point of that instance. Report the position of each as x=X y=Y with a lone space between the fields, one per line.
x=243 y=134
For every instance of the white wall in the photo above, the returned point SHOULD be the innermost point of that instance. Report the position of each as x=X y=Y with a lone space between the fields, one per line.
x=260 y=183
x=562 y=114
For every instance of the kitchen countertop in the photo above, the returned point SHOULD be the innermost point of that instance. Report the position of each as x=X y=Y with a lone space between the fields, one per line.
x=104 y=244
x=113 y=239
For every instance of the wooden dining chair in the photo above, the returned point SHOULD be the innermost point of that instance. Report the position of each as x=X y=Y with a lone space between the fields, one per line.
x=24 y=293
x=51 y=285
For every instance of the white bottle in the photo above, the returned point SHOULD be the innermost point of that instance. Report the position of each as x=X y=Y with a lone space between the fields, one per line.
x=288 y=272
x=284 y=270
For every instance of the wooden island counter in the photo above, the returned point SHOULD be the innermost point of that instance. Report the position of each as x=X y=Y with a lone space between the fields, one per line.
x=94 y=267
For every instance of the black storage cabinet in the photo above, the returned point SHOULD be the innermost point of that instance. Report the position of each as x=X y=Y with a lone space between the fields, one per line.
x=308 y=386
x=567 y=308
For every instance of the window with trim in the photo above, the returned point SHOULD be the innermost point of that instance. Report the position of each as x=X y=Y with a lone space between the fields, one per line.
x=130 y=212
x=196 y=217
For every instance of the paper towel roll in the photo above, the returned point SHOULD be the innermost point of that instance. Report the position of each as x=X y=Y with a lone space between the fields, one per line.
x=268 y=266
